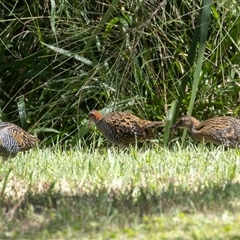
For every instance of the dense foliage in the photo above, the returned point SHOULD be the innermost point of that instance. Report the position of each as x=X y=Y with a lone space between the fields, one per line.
x=60 y=59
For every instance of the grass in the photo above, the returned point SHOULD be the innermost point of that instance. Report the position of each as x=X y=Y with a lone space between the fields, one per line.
x=157 y=193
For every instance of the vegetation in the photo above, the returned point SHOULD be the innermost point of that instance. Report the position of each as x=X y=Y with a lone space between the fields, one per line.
x=117 y=194
x=157 y=59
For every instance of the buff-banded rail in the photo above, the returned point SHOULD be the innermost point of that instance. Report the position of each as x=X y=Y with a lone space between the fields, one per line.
x=123 y=128
x=218 y=130
x=14 y=139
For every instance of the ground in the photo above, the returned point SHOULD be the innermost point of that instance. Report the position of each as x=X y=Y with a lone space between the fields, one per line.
x=157 y=193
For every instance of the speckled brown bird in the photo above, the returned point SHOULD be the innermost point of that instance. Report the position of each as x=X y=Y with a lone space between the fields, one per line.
x=123 y=128
x=14 y=139
x=219 y=130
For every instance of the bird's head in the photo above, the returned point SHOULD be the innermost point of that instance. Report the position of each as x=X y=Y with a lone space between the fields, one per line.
x=94 y=116
x=187 y=122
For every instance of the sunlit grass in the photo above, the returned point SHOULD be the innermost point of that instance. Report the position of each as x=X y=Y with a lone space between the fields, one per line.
x=157 y=193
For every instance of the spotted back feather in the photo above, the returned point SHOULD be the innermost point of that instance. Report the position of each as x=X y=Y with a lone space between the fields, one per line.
x=124 y=128
x=14 y=139
x=219 y=130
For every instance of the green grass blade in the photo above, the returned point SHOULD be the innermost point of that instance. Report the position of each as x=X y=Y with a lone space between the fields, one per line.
x=169 y=119
x=205 y=21
x=104 y=20
x=175 y=107
x=22 y=112
x=205 y=17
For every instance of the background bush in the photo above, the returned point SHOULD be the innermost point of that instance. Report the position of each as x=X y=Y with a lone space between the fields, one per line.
x=60 y=59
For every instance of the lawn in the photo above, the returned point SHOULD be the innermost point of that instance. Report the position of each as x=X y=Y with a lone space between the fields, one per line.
x=158 y=193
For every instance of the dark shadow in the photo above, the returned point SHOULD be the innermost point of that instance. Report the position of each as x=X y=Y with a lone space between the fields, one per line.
x=79 y=210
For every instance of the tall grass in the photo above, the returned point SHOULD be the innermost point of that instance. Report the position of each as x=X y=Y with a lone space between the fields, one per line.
x=62 y=59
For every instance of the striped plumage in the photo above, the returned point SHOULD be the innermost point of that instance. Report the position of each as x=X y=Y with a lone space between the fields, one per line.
x=219 y=130
x=14 y=139
x=123 y=128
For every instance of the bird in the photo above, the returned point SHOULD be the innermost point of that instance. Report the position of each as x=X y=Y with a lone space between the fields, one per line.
x=14 y=139
x=222 y=130
x=123 y=128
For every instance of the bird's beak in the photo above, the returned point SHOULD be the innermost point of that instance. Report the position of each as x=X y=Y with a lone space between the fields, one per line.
x=174 y=126
x=90 y=124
